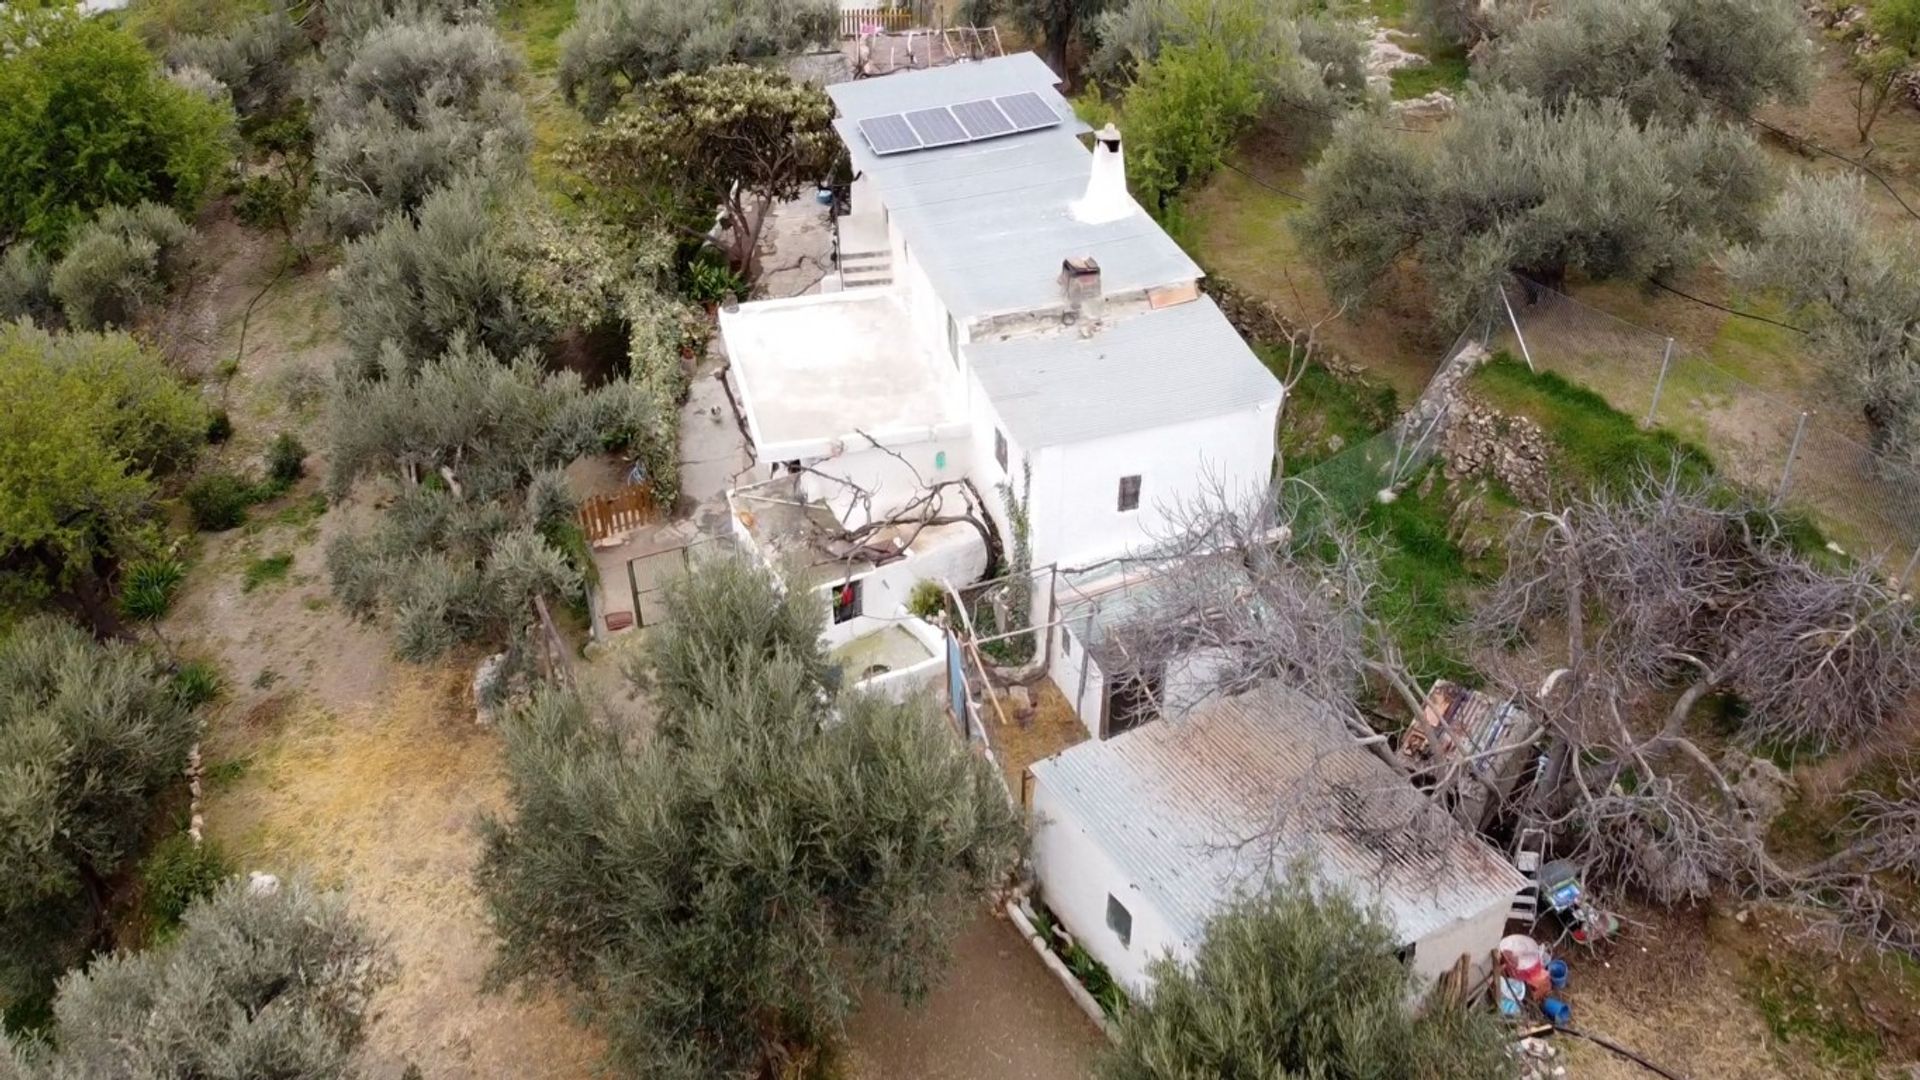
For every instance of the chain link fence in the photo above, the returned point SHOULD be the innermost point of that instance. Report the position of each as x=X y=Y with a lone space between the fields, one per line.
x=1803 y=442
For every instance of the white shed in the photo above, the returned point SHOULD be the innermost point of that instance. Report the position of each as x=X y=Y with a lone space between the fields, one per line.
x=1140 y=838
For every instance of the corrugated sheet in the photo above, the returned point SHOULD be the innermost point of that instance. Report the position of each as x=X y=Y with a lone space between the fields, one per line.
x=988 y=221
x=1147 y=370
x=1195 y=810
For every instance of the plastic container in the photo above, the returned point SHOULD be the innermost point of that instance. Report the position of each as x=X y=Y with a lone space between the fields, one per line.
x=1557 y=971
x=1557 y=1012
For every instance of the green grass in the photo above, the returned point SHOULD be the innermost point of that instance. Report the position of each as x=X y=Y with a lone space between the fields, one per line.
x=1423 y=575
x=1325 y=414
x=1597 y=444
x=273 y=568
x=1444 y=70
x=537 y=24
x=1800 y=1016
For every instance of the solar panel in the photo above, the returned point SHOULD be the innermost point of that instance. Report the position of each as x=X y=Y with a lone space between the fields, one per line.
x=1027 y=111
x=982 y=119
x=936 y=127
x=889 y=134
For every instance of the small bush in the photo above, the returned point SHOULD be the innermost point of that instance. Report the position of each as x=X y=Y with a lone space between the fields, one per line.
x=219 y=501
x=711 y=281
x=927 y=600
x=149 y=588
x=219 y=427
x=26 y=284
x=262 y=571
x=119 y=263
x=196 y=683
x=286 y=460
x=177 y=873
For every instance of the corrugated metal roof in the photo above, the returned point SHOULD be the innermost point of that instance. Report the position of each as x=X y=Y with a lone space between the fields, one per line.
x=1147 y=370
x=989 y=221
x=1193 y=811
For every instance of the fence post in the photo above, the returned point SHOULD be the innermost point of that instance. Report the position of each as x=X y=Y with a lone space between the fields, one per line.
x=1793 y=451
x=1907 y=574
x=1525 y=353
x=1666 y=361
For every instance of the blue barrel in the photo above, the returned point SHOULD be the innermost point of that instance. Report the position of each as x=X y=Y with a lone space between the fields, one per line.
x=1557 y=971
x=1557 y=1012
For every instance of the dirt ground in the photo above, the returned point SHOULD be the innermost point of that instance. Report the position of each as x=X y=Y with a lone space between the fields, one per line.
x=999 y=1015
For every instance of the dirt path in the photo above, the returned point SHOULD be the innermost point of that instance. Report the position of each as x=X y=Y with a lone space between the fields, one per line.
x=999 y=1015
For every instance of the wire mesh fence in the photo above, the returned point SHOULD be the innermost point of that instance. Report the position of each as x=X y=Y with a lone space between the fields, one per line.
x=1803 y=442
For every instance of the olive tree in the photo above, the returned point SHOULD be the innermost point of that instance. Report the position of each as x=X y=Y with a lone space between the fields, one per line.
x=1299 y=979
x=1857 y=285
x=736 y=137
x=415 y=102
x=260 y=982
x=615 y=47
x=1671 y=58
x=255 y=61
x=116 y=265
x=718 y=895
x=1516 y=185
x=90 y=735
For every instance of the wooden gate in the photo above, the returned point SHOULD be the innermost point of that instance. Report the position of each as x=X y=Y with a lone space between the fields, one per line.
x=616 y=513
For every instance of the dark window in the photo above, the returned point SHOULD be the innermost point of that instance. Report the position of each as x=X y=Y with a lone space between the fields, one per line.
x=1000 y=449
x=1129 y=493
x=1132 y=700
x=846 y=602
x=1066 y=642
x=1119 y=920
x=1404 y=954
x=953 y=340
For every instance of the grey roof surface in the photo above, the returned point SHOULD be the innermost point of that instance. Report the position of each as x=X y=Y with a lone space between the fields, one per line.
x=1140 y=372
x=1173 y=804
x=989 y=220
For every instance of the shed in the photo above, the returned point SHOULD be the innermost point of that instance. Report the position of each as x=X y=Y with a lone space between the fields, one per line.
x=1141 y=838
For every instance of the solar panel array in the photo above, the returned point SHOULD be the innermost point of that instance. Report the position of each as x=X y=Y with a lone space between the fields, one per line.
x=969 y=121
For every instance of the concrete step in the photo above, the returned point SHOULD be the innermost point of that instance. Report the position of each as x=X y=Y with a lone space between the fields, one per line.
x=854 y=282
x=866 y=258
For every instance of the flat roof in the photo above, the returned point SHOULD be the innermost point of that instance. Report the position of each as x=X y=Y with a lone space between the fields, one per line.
x=1196 y=810
x=989 y=221
x=814 y=369
x=1144 y=370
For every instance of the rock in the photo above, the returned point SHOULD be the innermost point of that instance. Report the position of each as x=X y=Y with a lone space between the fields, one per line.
x=1021 y=699
x=1762 y=787
x=486 y=695
x=260 y=883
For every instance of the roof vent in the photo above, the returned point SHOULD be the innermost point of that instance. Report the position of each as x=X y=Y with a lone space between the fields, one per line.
x=1080 y=280
x=1106 y=198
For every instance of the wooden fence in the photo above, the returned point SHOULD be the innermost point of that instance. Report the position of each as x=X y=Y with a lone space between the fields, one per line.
x=856 y=21
x=616 y=513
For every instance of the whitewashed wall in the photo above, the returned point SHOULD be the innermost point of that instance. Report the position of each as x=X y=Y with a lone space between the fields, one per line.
x=1076 y=878
x=951 y=553
x=895 y=481
x=1065 y=666
x=1076 y=488
x=1476 y=936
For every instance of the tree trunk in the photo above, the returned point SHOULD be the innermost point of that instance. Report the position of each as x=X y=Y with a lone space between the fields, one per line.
x=1059 y=32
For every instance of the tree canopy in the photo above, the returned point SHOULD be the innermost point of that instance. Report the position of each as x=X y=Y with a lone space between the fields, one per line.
x=86 y=422
x=1299 y=980
x=257 y=984
x=89 y=735
x=1516 y=185
x=1670 y=58
x=719 y=892
x=88 y=120
x=616 y=47
x=735 y=136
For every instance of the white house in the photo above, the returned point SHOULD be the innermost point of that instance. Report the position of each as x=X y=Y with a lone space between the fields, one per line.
x=1006 y=315
x=1140 y=838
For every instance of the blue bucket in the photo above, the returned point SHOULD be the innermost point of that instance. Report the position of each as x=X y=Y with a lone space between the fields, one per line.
x=1557 y=971
x=1556 y=1011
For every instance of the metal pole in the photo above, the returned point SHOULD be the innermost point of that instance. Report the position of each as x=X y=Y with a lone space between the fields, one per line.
x=1786 y=474
x=1522 y=338
x=1666 y=361
x=1907 y=574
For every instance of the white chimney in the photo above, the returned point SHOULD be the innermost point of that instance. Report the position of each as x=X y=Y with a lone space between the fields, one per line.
x=1106 y=198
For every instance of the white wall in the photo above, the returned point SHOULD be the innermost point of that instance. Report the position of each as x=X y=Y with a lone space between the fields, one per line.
x=929 y=674
x=986 y=471
x=951 y=553
x=889 y=476
x=1076 y=488
x=1476 y=936
x=1075 y=880
x=1065 y=666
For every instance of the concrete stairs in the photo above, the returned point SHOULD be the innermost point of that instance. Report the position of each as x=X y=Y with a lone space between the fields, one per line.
x=866 y=269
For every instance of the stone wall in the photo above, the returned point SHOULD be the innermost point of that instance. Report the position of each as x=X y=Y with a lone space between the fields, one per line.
x=1483 y=442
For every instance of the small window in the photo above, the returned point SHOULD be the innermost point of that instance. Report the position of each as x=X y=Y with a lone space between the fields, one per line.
x=1066 y=642
x=1129 y=493
x=953 y=340
x=846 y=602
x=1405 y=954
x=1000 y=449
x=1120 y=921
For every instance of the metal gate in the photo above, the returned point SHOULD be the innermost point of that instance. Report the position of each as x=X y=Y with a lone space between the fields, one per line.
x=647 y=578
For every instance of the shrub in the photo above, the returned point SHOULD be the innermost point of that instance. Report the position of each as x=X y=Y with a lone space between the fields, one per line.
x=267 y=570
x=617 y=46
x=219 y=427
x=710 y=281
x=254 y=60
x=286 y=460
x=218 y=501
x=927 y=600
x=149 y=587
x=197 y=682
x=120 y=262
x=26 y=284
x=87 y=120
x=177 y=873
